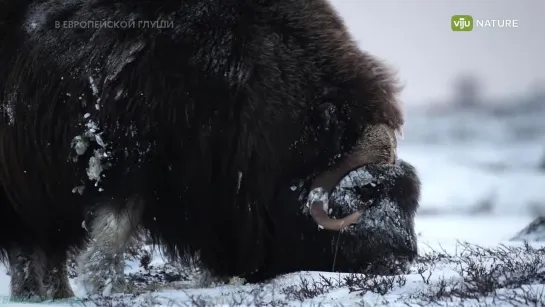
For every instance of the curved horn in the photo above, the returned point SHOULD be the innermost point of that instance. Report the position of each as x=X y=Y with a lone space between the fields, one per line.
x=323 y=220
x=377 y=146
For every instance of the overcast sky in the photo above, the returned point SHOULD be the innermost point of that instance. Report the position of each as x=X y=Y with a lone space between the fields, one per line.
x=416 y=38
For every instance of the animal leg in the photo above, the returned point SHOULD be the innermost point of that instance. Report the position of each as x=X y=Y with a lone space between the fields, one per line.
x=101 y=266
x=56 y=280
x=27 y=267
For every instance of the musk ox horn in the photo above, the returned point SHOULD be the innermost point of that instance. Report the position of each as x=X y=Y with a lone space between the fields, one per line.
x=377 y=146
x=320 y=216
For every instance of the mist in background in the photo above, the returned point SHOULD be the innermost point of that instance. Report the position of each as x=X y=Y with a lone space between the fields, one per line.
x=475 y=101
x=416 y=38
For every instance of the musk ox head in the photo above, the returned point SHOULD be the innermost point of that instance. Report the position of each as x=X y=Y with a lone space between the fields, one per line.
x=386 y=197
x=381 y=240
x=376 y=146
x=357 y=125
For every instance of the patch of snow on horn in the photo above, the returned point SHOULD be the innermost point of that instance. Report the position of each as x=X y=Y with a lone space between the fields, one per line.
x=319 y=195
x=344 y=193
x=358 y=177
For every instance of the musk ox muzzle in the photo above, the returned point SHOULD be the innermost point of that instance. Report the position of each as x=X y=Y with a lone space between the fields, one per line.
x=377 y=146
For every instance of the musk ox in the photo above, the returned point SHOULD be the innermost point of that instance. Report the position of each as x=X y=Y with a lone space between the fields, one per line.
x=382 y=241
x=186 y=118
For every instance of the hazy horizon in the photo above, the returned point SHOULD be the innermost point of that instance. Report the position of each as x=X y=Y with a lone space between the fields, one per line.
x=416 y=38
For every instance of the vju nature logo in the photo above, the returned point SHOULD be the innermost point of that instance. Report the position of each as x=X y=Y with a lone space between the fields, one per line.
x=461 y=23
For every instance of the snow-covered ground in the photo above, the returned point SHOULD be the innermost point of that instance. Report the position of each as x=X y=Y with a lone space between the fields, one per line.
x=435 y=232
x=482 y=190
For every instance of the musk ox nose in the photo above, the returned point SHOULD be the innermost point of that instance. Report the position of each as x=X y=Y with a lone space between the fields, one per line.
x=384 y=235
